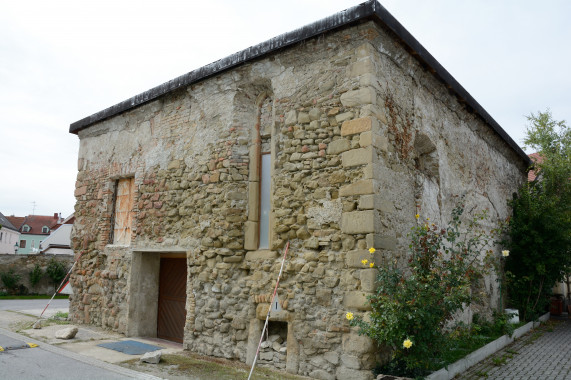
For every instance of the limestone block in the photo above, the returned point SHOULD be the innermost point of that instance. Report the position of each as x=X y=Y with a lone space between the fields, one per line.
x=253 y=157
x=353 y=374
x=365 y=95
x=338 y=146
x=261 y=255
x=351 y=361
x=358 y=222
x=253 y=202
x=381 y=142
x=291 y=117
x=174 y=164
x=153 y=357
x=368 y=279
x=364 y=186
x=355 y=344
x=356 y=157
x=366 y=202
x=342 y=117
x=356 y=300
x=365 y=139
x=66 y=333
x=363 y=66
x=303 y=117
x=364 y=50
x=362 y=124
x=323 y=297
x=332 y=357
x=353 y=259
x=251 y=231
x=314 y=113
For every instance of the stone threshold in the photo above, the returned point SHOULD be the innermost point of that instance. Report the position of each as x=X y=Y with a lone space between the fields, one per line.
x=483 y=352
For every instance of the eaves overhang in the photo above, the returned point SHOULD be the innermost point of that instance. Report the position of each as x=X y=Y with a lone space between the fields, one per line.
x=370 y=10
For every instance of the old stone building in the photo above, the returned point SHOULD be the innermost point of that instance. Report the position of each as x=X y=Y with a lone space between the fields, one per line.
x=331 y=137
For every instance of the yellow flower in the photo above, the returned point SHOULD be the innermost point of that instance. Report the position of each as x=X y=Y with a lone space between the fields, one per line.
x=505 y=253
x=407 y=343
x=417 y=216
x=349 y=316
x=427 y=218
x=364 y=261
x=371 y=265
x=371 y=250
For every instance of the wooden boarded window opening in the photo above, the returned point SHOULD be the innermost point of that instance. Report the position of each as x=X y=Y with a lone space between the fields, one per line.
x=123 y=216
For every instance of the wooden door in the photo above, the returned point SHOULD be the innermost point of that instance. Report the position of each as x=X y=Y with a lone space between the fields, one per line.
x=172 y=299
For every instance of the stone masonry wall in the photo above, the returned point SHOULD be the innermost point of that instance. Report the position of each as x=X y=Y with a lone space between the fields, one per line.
x=362 y=137
x=22 y=265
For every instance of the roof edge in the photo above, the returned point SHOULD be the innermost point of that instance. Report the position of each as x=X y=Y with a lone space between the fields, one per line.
x=363 y=11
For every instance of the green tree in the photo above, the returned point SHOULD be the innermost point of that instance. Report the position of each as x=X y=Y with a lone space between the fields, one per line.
x=56 y=271
x=540 y=229
x=36 y=275
x=11 y=280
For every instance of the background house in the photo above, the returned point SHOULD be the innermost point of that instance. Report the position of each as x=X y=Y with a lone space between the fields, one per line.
x=9 y=236
x=58 y=242
x=33 y=230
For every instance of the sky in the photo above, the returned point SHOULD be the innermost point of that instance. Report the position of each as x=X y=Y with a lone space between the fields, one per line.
x=61 y=61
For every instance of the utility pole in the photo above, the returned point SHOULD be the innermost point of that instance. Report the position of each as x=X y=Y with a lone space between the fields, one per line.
x=33 y=207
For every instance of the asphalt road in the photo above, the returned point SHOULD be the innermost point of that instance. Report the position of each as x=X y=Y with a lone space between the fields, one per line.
x=35 y=307
x=38 y=363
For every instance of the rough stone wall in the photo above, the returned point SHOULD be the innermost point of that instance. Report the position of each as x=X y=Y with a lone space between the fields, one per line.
x=362 y=137
x=22 y=265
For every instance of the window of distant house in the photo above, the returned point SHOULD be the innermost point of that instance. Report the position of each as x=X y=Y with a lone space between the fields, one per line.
x=26 y=228
x=22 y=244
x=123 y=213
x=1 y=235
x=265 y=202
x=33 y=244
x=45 y=230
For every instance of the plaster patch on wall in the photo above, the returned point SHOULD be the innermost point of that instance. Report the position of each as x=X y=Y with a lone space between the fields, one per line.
x=330 y=211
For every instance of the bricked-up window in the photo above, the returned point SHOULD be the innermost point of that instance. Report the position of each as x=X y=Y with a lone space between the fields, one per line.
x=265 y=173
x=123 y=215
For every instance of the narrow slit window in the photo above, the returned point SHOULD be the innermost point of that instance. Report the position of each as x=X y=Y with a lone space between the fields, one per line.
x=265 y=202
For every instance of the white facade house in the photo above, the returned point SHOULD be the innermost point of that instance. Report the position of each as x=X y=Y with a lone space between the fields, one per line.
x=58 y=243
x=9 y=236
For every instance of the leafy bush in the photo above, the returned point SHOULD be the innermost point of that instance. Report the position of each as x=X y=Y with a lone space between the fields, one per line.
x=540 y=229
x=56 y=271
x=11 y=280
x=412 y=306
x=36 y=275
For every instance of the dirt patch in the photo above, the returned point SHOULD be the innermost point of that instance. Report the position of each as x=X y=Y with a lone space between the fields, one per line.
x=186 y=365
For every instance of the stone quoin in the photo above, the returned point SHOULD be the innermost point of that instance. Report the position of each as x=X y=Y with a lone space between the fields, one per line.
x=331 y=137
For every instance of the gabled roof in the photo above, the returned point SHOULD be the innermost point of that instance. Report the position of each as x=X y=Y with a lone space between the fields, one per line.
x=370 y=10
x=5 y=223
x=35 y=222
x=535 y=157
x=17 y=221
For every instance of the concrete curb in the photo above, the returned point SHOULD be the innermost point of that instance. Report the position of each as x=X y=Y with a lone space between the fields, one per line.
x=483 y=352
x=81 y=358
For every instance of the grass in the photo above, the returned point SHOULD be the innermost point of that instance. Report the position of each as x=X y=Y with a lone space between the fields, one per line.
x=34 y=297
x=192 y=366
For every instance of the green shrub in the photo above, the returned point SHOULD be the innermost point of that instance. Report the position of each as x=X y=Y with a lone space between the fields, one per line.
x=56 y=271
x=413 y=305
x=10 y=280
x=36 y=275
